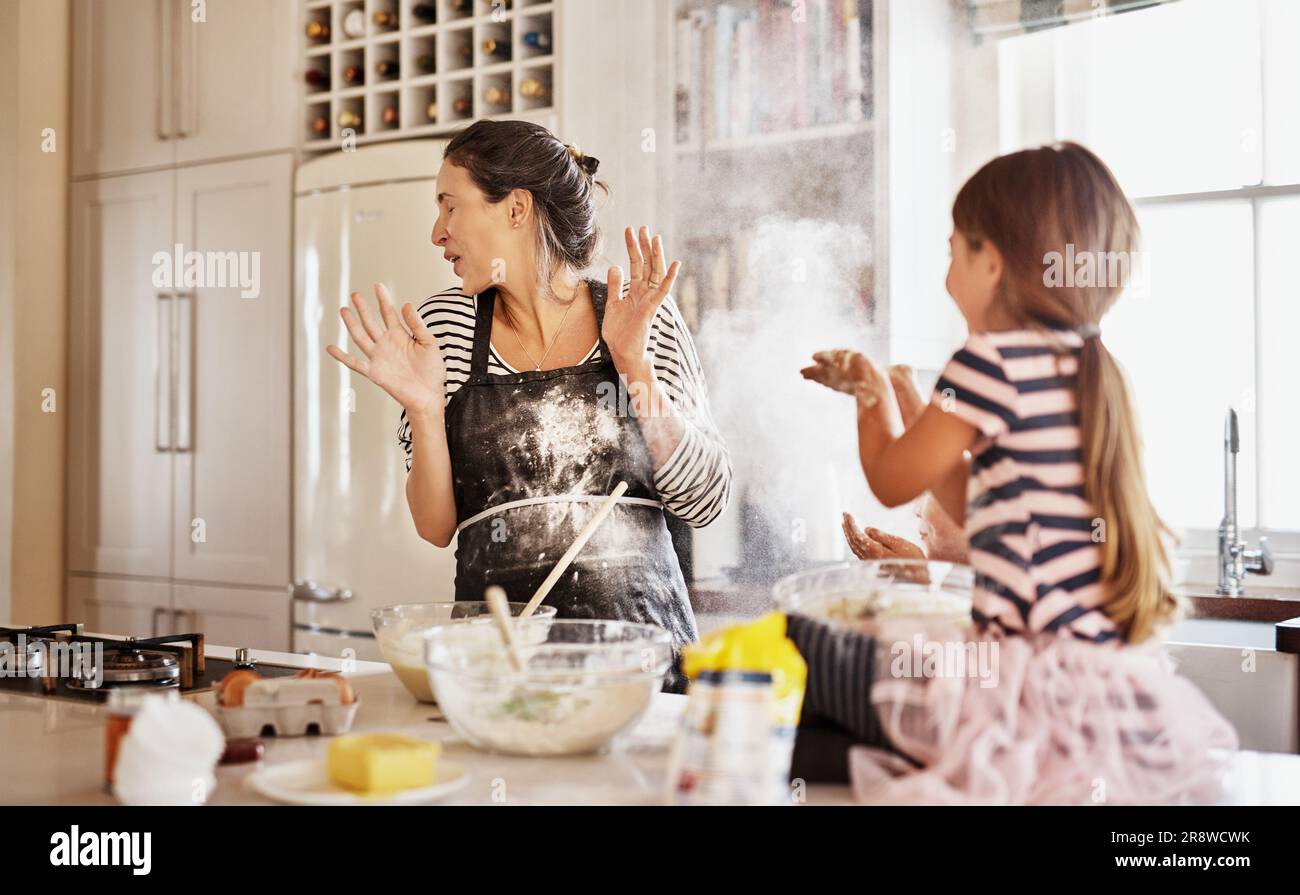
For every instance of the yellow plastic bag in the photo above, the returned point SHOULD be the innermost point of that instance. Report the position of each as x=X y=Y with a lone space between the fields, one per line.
x=759 y=646
x=737 y=736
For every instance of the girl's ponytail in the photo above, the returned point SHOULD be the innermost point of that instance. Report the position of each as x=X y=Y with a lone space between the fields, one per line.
x=1135 y=561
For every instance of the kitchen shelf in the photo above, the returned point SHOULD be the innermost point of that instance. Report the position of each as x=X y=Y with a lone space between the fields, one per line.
x=758 y=99
x=802 y=135
x=457 y=85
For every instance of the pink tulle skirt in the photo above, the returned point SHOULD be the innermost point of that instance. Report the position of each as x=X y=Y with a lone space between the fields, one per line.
x=1054 y=720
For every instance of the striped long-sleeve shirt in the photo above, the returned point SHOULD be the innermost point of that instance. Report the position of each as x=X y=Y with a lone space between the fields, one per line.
x=1031 y=528
x=695 y=482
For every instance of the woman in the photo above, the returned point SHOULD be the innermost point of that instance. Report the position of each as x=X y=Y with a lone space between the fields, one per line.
x=530 y=393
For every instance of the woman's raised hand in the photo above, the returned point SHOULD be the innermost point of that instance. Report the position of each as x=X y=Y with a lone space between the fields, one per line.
x=404 y=362
x=626 y=329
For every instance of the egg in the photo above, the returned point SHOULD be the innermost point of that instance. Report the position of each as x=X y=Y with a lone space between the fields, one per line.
x=231 y=689
x=346 y=693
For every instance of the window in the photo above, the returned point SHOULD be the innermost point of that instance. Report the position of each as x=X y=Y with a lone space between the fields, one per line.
x=1196 y=107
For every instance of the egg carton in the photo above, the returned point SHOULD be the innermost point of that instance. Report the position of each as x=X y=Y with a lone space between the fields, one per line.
x=288 y=707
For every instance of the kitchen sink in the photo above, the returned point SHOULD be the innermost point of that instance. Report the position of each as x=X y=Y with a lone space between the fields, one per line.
x=1237 y=664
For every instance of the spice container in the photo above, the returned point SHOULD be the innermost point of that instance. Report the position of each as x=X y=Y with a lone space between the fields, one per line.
x=123 y=704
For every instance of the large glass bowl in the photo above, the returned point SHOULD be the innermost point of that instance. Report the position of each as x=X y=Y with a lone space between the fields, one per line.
x=879 y=591
x=576 y=688
x=400 y=632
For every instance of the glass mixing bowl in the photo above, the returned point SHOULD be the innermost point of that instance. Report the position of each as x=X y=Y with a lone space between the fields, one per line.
x=879 y=590
x=400 y=631
x=579 y=683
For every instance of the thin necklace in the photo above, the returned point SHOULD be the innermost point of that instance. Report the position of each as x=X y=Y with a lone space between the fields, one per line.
x=511 y=322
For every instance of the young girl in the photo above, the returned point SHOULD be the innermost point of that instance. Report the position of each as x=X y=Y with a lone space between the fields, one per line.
x=1031 y=442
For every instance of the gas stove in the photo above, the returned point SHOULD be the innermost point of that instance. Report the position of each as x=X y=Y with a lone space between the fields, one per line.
x=59 y=661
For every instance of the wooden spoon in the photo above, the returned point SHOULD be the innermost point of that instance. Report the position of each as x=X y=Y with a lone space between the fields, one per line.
x=578 y=543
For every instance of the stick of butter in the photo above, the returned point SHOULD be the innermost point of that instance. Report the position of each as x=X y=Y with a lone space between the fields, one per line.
x=383 y=762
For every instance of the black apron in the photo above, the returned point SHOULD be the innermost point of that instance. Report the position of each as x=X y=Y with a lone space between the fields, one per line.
x=532 y=457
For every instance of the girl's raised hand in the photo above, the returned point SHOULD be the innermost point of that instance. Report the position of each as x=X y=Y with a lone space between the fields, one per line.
x=872 y=543
x=404 y=362
x=943 y=539
x=910 y=403
x=852 y=373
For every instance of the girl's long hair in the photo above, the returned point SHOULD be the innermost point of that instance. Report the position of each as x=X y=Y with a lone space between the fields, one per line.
x=1048 y=205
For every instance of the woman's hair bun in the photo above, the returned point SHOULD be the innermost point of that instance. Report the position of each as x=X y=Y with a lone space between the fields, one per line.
x=585 y=162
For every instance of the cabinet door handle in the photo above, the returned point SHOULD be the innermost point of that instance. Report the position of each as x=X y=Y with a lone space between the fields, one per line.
x=157 y=611
x=162 y=375
x=311 y=592
x=161 y=89
x=164 y=87
x=183 y=383
x=186 y=95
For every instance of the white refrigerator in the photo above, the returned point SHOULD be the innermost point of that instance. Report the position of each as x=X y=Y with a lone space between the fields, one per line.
x=360 y=217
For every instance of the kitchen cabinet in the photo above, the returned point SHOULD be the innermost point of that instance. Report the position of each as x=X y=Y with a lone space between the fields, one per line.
x=119 y=476
x=235 y=86
x=258 y=619
x=121 y=85
x=119 y=605
x=152 y=86
x=231 y=463
x=180 y=393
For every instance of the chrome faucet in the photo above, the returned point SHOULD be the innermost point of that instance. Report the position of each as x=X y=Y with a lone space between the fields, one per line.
x=1234 y=559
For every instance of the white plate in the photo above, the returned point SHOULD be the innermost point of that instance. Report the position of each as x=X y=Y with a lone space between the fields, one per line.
x=308 y=783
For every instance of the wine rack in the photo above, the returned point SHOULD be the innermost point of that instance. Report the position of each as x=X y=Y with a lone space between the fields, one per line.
x=389 y=69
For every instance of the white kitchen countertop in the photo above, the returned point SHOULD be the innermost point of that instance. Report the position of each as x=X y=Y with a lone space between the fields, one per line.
x=53 y=753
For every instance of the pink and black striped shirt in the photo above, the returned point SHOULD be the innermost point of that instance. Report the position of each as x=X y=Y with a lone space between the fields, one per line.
x=1034 y=537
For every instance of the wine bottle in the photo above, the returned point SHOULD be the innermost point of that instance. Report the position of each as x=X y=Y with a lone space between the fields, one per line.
x=431 y=110
x=539 y=39
x=317 y=78
x=497 y=96
x=384 y=19
x=496 y=49
x=354 y=24
x=389 y=116
x=354 y=74
x=426 y=62
x=320 y=126
x=350 y=119
x=534 y=89
x=387 y=68
x=318 y=31
x=425 y=12
x=467 y=53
